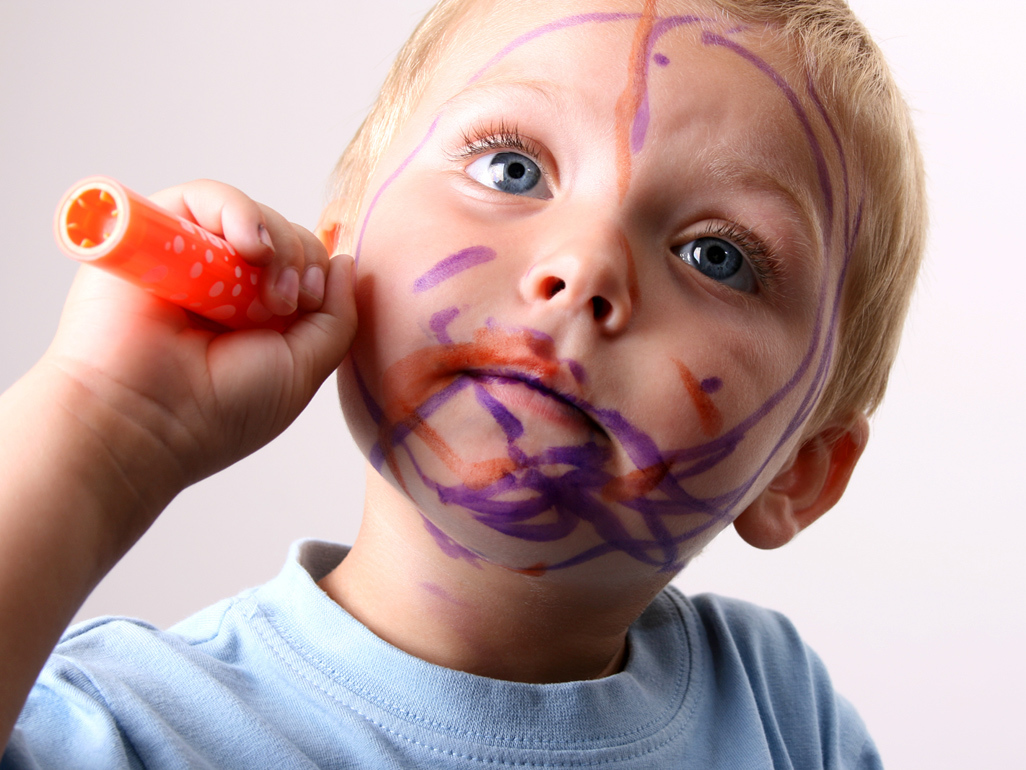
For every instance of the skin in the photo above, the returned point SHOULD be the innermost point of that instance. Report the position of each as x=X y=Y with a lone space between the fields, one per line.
x=575 y=326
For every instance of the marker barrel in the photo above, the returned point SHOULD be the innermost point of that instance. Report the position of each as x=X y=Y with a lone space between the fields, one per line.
x=103 y=223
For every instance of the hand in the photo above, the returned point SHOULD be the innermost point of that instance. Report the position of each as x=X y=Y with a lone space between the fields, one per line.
x=209 y=398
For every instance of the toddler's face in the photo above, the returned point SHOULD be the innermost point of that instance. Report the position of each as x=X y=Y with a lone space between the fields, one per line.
x=597 y=284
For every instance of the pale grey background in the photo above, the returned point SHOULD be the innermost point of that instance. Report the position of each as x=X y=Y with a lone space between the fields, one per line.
x=910 y=589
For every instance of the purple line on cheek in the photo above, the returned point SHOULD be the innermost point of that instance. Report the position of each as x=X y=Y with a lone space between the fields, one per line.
x=439 y=323
x=453 y=265
x=661 y=60
x=388 y=182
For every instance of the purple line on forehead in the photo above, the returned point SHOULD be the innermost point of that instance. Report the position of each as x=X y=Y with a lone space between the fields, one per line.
x=639 y=126
x=841 y=156
x=564 y=23
x=439 y=324
x=453 y=265
x=388 y=182
x=711 y=38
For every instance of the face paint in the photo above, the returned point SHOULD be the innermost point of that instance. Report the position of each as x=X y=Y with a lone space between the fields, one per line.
x=509 y=381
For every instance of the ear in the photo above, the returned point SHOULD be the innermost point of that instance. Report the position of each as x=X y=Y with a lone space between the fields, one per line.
x=808 y=486
x=328 y=227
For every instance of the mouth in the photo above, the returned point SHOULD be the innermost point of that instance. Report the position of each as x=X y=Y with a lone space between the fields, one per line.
x=522 y=393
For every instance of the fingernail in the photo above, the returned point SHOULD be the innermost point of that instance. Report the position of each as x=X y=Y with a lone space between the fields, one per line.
x=313 y=282
x=287 y=287
x=264 y=236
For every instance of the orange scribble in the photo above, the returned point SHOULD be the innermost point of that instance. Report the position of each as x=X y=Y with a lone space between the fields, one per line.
x=412 y=380
x=709 y=416
x=635 y=484
x=629 y=103
x=536 y=570
x=632 y=273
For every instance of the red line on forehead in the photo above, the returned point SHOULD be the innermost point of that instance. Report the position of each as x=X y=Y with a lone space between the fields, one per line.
x=633 y=96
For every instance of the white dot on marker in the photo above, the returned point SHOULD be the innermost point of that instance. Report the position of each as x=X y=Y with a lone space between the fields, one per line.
x=216 y=289
x=179 y=244
x=209 y=256
x=237 y=290
x=222 y=313
x=196 y=271
x=238 y=272
x=253 y=278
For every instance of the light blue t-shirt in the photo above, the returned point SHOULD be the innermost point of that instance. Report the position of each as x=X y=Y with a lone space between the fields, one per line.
x=282 y=677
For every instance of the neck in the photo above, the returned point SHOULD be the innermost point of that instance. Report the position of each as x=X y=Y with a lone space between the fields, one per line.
x=469 y=615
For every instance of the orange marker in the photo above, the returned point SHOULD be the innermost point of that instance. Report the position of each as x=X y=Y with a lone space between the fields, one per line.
x=101 y=222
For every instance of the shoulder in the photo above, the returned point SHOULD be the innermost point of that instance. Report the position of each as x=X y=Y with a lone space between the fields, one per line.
x=755 y=662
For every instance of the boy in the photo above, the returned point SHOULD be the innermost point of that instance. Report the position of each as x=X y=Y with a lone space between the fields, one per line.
x=627 y=272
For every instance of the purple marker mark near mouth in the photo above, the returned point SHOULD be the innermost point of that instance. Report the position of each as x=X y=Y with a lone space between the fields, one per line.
x=576 y=370
x=452 y=265
x=661 y=59
x=439 y=324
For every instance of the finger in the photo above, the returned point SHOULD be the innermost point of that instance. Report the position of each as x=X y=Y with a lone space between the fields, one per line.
x=320 y=340
x=279 y=283
x=313 y=275
x=225 y=211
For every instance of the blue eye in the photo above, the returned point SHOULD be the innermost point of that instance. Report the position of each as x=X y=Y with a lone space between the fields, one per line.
x=720 y=260
x=510 y=172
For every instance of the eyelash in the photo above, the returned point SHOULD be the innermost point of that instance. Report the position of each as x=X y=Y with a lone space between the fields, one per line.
x=494 y=136
x=764 y=262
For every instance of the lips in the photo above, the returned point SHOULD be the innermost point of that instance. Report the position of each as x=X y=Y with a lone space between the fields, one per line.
x=522 y=393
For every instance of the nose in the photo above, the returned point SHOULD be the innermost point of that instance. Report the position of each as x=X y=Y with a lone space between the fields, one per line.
x=586 y=274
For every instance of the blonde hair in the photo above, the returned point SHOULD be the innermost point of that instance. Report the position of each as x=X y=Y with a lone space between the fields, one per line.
x=852 y=83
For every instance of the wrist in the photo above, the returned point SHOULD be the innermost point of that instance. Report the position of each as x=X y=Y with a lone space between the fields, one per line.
x=74 y=458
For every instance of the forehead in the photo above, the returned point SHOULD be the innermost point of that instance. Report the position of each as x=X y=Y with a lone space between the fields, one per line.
x=670 y=74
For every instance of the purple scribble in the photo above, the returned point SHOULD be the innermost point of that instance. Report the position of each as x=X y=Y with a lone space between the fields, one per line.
x=439 y=324
x=509 y=424
x=711 y=384
x=561 y=488
x=449 y=546
x=388 y=183
x=576 y=370
x=639 y=128
x=453 y=265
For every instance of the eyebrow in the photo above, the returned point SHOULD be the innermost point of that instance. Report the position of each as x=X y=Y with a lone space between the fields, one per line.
x=734 y=168
x=496 y=86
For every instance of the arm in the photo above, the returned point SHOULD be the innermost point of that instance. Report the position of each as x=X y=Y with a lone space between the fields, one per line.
x=133 y=402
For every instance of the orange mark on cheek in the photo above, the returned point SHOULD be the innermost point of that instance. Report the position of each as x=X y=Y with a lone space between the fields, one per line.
x=632 y=273
x=708 y=414
x=630 y=100
x=635 y=484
